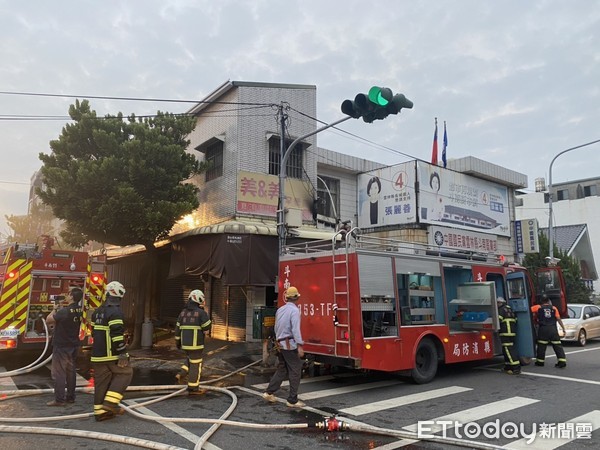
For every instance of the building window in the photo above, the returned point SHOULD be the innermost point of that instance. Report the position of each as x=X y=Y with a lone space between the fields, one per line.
x=562 y=194
x=590 y=191
x=294 y=167
x=328 y=191
x=214 y=160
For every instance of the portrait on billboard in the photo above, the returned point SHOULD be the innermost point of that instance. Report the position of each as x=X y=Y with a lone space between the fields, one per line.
x=386 y=196
x=373 y=191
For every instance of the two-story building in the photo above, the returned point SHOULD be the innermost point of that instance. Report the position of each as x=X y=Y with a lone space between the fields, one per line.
x=228 y=247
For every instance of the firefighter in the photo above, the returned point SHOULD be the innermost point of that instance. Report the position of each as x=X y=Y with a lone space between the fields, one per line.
x=290 y=350
x=110 y=361
x=547 y=318
x=193 y=322
x=65 y=347
x=508 y=327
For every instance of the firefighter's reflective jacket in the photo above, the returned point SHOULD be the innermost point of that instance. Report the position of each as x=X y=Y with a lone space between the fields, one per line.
x=108 y=332
x=193 y=321
x=508 y=321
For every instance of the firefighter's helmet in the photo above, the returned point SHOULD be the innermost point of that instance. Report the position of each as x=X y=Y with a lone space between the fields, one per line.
x=115 y=289
x=197 y=296
x=501 y=300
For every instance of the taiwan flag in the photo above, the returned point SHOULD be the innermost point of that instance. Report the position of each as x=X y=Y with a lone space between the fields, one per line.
x=434 y=150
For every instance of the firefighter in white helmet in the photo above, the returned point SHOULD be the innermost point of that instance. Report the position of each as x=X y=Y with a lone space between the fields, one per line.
x=193 y=322
x=112 y=372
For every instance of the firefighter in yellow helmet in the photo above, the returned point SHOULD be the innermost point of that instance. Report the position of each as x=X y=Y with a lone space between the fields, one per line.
x=192 y=324
x=112 y=372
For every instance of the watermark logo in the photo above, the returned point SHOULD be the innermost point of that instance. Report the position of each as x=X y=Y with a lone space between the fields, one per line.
x=427 y=429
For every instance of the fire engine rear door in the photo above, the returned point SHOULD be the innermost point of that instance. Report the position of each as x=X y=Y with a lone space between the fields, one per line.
x=519 y=302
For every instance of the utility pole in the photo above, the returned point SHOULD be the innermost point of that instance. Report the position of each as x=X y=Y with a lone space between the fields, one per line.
x=283 y=175
x=551 y=260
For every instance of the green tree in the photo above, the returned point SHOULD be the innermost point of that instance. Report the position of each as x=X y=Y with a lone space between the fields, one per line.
x=28 y=228
x=577 y=291
x=120 y=181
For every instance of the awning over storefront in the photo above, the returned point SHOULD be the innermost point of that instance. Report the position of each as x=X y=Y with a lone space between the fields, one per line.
x=238 y=252
x=239 y=259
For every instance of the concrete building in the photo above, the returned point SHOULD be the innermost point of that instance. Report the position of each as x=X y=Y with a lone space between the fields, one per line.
x=228 y=247
x=576 y=219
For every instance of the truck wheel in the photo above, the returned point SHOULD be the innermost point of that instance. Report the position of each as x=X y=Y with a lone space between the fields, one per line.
x=426 y=362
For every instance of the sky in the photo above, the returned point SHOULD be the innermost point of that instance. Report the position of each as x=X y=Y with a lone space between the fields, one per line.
x=516 y=82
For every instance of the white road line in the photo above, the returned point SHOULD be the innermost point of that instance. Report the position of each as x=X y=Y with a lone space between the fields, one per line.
x=474 y=414
x=304 y=381
x=6 y=383
x=367 y=408
x=549 y=355
x=347 y=389
x=397 y=444
x=550 y=443
x=174 y=427
x=556 y=377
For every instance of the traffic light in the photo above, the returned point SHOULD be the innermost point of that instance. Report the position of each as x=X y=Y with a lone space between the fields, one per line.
x=376 y=105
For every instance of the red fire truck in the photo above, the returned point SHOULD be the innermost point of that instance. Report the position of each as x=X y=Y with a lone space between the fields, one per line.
x=34 y=280
x=388 y=305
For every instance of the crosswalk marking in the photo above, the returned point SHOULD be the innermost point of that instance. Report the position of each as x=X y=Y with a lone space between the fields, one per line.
x=346 y=389
x=172 y=426
x=403 y=401
x=474 y=414
x=540 y=443
x=309 y=380
x=6 y=383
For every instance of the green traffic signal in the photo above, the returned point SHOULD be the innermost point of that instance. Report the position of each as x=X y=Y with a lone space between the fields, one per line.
x=376 y=105
x=380 y=96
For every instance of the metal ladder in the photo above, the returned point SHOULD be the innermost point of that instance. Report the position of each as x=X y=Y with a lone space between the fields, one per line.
x=341 y=297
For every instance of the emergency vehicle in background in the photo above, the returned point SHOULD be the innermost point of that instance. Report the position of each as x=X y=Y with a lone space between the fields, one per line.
x=388 y=305
x=33 y=281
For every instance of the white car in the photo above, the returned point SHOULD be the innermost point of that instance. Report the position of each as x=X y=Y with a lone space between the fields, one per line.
x=583 y=323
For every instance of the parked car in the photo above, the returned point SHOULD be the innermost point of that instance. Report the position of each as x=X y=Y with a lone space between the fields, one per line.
x=583 y=323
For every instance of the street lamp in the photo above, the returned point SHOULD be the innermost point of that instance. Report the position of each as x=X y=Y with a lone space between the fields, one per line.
x=551 y=260
x=281 y=231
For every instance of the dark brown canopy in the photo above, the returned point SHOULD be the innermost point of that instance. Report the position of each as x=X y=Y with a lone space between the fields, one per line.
x=240 y=259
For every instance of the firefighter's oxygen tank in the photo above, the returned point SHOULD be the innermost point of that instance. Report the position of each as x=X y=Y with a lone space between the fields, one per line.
x=147 y=332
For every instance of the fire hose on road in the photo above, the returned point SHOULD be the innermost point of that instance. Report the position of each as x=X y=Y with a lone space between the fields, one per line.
x=329 y=424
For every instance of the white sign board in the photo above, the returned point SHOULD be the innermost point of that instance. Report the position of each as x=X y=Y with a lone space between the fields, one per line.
x=387 y=196
x=526 y=236
x=451 y=198
x=457 y=239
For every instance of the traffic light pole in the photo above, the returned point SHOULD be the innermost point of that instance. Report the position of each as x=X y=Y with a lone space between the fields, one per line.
x=281 y=229
x=550 y=194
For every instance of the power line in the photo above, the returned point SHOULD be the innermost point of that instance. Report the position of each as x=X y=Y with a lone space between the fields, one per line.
x=136 y=99
x=373 y=144
x=14 y=182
